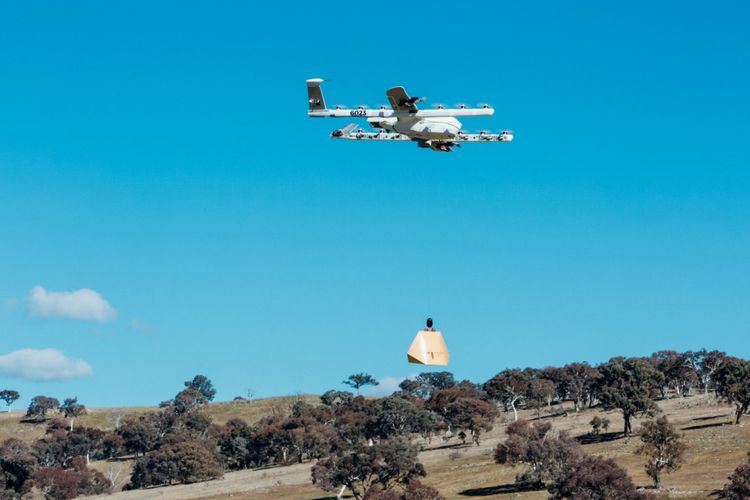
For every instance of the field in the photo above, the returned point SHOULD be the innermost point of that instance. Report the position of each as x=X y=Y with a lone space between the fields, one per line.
x=459 y=471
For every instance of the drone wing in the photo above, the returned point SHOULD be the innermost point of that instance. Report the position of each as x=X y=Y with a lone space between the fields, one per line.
x=400 y=100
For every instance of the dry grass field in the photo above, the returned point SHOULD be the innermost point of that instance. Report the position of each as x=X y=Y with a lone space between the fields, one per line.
x=715 y=448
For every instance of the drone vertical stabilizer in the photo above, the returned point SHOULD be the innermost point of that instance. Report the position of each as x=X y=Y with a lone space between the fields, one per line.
x=315 y=100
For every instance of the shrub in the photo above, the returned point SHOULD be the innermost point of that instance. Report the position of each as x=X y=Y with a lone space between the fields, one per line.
x=738 y=487
x=592 y=477
x=57 y=483
x=598 y=424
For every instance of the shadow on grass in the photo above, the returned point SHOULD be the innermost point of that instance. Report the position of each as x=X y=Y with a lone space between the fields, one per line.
x=452 y=446
x=710 y=417
x=599 y=438
x=550 y=415
x=500 y=489
x=705 y=426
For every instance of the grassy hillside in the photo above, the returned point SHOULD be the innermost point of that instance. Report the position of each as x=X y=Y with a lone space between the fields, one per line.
x=715 y=448
x=107 y=418
x=460 y=472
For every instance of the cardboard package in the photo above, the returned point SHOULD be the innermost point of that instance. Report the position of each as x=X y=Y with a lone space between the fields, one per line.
x=428 y=348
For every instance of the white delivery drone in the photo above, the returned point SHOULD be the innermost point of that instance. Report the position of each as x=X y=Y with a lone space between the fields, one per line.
x=436 y=129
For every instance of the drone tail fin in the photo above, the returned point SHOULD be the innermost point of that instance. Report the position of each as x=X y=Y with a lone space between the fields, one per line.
x=315 y=100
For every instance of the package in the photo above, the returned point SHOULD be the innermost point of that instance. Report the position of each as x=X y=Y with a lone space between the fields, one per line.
x=428 y=348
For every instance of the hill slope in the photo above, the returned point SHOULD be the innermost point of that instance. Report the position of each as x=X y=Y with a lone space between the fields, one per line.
x=715 y=448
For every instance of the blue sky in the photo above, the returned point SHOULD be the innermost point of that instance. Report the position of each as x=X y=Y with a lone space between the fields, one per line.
x=161 y=157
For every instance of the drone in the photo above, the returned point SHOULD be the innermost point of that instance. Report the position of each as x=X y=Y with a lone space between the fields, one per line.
x=437 y=129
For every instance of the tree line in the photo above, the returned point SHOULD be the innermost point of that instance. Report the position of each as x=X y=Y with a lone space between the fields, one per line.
x=630 y=385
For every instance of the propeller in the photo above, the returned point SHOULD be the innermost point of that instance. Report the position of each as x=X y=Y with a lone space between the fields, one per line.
x=383 y=106
x=363 y=106
x=484 y=105
x=339 y=106
x=461 y=105
x=438 y=106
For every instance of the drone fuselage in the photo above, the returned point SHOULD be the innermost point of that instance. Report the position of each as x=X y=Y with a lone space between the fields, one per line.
x=445 y=127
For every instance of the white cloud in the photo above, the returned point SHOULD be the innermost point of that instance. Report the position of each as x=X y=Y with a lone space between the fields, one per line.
x=83 y=304
x=42 y=364
x=386 y=386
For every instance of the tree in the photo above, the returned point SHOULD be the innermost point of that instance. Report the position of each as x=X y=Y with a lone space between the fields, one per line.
x=202 y=384
x=732 y=380
x=361 y=468
x=560 y=464
x=140 y=433
x=9 y=397
x=39 y=407
x=630 y=386
x=509 y=387
x=187 y=400
x=309 y=432
x=678 y=372
x=393 y=416
x=738 y=487
x=578 y=380
x=471 y=414
x=663 y=447
x=186 y=462
x=359 y=380
x=424 y=384
x=540 y=393
x=233 y=445
x=71 y=409
x=705 y=363
x=530 y=444
x=463 y=406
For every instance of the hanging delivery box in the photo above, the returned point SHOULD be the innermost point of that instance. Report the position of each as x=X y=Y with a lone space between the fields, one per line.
x=428 y=348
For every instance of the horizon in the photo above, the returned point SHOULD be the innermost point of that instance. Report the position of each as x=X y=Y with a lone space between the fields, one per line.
x=169 y=208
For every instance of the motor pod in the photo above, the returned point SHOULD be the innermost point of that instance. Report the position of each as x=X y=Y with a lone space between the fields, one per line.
x=428 y=348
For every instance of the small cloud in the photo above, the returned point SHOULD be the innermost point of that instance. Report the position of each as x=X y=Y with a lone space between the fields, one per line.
x=42 y=364
x=386 y=386
x=83 y=304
